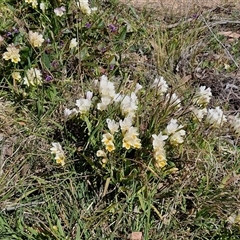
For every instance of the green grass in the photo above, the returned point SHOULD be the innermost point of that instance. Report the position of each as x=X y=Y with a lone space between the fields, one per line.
x=194 y=196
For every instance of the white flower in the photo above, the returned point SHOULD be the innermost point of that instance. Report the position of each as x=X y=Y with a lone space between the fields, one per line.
x=138 y=87
x=107 y=140
x=101 y=153
x=118 y=97
x=125 y=124
x=33 y=2
x=58 y=151
x=173 y=99
x=84 y=7
x=35 y=39
x=199 y=113
x=42 y=6
x=70 y=112
x=128 y=105
x=173 y=130
x=106 y=88
x=203 y=95
x=60 y=11
x=112 y=125
x=158 y=141
x=73 y=43
x=83 y=105
x=33 y=77
x=105 y=101
x=215 y=117
x=235 y=124
x=130 y=138
x=12 y=54
x=160 y=84
x=16 y=76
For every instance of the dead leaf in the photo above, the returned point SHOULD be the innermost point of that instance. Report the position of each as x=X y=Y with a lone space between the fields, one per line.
x=136 y=236
x=230 y=34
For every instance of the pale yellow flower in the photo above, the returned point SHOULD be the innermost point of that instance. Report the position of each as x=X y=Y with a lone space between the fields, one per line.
x=58 y=151
x=130 y=139
x=16 y=76
x=60 y=159
x=33 y=77
x=108 y=142
x=33 y=2
x=35 y=39
x=12 y=54
x=73 y=43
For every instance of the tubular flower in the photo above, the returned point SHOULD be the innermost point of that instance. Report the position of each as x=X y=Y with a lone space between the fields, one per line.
x=125 y=124
x=107 y=140
x=35 y=39
x=199 y=113
x=161 y=85
x=215 y=117
x=16 y=76
x=59 y=154
x=33 y=77
x=12 y=54
x=112 y=125
x=107 y=92
x=84 y=104
x=128 y=105
x=173 y=100
x=130 y=139
x=60 y=11
x=203 y=96
x=73 y=43
x=33 y=2
x=175 y=132
x=84 y=7
x=159 y=151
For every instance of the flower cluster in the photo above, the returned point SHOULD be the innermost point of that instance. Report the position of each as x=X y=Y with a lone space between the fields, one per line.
x=175 y=132
x=108 y=138
x=203 y=96
x=130 y=134
x=35 y=39
x=59 y=154
x=33 y=2
x=33 y=77
x=84 y=7
x=107 y=93
x=160 y=84
x=12 y=54
x=159 y=151
x=215 y=117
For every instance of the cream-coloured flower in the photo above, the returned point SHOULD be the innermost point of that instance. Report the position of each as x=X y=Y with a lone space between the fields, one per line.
x=128 y=105
x=12 y=54
x=84 y=104
x=159 y=151
x=101 y=153
x=33 y=2
x=173 y=99
x=70 y=112
x=131 y=139
x=73 y=43
x=160 y=84
x=175 y=132
x=125 y=124
x=199 y=113
x=42 y=6
x=215 y=117
x=60 y=11
x=33 y=77
x=35 y=39
x=58 y=151
x=112 y=125
x=16 y=76
x=84 y=7
x=107 y=140
x=203 y=96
